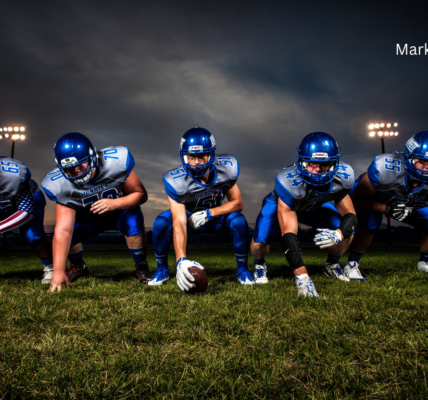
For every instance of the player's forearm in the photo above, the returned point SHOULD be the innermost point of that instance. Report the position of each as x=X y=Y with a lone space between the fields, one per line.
x=228 y=208
x=131 y=200
x=179 y=238
x=60 y=248
x=368 y=204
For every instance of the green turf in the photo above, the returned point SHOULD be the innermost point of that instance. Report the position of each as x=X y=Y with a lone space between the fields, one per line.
x=109 y=336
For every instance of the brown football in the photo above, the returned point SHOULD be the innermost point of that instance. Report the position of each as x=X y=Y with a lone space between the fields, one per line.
x=200 y=282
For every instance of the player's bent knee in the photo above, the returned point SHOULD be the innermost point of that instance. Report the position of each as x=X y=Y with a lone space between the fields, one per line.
x=161 y=226
x=238 y=223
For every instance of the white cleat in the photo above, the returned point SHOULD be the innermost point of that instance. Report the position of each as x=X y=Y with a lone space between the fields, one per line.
x=352 y=271
x=305 y=286
x=260 y=273
x=422 y=266
x=47 y=275
x=160 y=276
x=335 y=271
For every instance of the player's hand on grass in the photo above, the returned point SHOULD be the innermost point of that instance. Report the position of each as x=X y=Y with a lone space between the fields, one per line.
x=184 y=277
x=327 y=238
x=398 y=211
x=200 y=218
x=58 y=278
x=104 y=205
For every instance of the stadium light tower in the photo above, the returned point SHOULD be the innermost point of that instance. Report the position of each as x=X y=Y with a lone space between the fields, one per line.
x=381 y=131
x=14 y=134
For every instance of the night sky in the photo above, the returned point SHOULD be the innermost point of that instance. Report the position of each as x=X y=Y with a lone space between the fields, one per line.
x=258 y=75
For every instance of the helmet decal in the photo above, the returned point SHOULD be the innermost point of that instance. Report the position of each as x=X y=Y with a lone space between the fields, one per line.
x=416 y=148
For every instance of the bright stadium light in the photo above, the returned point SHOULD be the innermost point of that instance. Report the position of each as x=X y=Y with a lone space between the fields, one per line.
x=376 y=126
x=388 y=125
x=396 y=134
x=371 y=126
x=395 y=124
x=15 y=136
x=380 y=133
x=382 y=125
x=386 y=133
x=372 y=133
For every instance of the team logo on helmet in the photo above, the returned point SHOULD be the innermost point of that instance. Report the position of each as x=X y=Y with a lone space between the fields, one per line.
x=194 y=149
x=182 y=142
x=320 y=156
x=412 y=144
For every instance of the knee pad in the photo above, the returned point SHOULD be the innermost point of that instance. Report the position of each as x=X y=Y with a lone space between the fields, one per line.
x=238 y=224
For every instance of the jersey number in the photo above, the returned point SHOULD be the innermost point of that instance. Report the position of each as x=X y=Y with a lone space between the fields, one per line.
x=108 y=154
x=392 y=165
x=107 y=194
x=178 y=174
x=11 y=167
x=295 y=179
x=225 y=161
x=341 y=171
x=209 y=201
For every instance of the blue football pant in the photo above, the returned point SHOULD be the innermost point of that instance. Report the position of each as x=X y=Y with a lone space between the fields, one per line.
x=129 y=222
x=235 y=223
x=267 y=225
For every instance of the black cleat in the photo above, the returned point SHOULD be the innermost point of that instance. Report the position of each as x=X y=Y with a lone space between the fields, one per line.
x=77 y=271
x=143 y=273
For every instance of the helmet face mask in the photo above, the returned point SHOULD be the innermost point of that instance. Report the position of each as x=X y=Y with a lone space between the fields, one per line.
x=416 y=148
x=198 y=142
x=75 y=149
x=319 y=148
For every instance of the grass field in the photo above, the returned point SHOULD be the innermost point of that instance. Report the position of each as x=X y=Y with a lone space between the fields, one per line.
x=111 y=337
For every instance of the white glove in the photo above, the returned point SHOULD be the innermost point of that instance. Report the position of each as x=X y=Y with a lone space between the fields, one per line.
x=327 y=238
x=398 y=211
x=183 y=274
x=200 y=218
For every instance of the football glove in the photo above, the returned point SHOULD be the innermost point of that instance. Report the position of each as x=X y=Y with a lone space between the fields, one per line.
x=184 y=277
x=398 y=211
x=200 y=218
x=327 y=238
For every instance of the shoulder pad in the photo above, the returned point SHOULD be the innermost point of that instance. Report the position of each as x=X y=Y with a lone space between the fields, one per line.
x=386 y=169
x=14 y=175
x=228 y=164
x=346 y=175
x=176 y=181
x=56 y=187
x=116 y=162
x=289 y=186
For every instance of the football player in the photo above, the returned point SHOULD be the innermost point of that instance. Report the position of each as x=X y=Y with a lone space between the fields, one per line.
x=314 y=192
x=196 y=190
x=94 y=191
x=395 y=185
x=22 y=205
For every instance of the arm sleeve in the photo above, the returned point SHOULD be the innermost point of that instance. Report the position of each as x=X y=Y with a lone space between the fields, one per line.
x=373 y=173
x=15 y=221
x=24 y=201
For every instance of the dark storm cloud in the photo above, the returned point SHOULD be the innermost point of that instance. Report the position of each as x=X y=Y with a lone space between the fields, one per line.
x=258 y=75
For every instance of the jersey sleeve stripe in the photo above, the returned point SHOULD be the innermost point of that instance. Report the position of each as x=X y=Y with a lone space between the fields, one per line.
x=170 y=191
x=284 y=194
x=130 y=163
x=373 y=173
x=15 y=221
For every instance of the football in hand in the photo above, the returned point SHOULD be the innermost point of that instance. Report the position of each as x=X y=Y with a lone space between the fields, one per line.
x=201 y=281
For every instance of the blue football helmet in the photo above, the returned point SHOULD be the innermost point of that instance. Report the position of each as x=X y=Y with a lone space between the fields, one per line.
x=416 y=147
x=197 y=141
x=318 y=147
x=74 y=149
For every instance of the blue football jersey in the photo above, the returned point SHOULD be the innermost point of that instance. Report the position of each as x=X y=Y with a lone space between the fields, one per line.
x=388 y=176
x=300 y=196
x=115 y=165
x=16 y=186
x=196 y=196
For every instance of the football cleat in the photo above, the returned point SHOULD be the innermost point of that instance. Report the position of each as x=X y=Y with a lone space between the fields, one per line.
x=260 y=273
x=160 y=276
x=422 y=266
x=47 y=275
x=335 y=271
x=305 y=286
x=245 y=277
x=77 y=271
x=352 y=271
x=143 y=273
